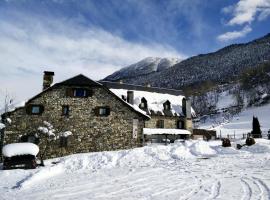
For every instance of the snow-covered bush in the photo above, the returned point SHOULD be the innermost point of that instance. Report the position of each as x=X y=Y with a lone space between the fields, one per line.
x=46 y=134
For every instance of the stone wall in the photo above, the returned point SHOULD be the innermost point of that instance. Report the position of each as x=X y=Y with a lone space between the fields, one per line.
x=90 y=132
x=169 y=122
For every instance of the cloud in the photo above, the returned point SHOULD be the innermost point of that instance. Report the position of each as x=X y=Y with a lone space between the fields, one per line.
x=244 y=13
x=28 y=46
x=234 y=34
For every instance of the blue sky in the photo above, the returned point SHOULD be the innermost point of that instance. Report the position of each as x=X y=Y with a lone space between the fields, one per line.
x=100 y=36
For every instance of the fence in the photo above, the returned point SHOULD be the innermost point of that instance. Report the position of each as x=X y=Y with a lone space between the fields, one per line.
x=264 y=135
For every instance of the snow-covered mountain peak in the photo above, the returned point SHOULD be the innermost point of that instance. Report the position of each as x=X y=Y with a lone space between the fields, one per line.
x=146 y=66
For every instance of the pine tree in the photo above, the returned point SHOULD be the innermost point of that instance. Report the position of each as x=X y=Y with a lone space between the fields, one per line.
x=256 y=128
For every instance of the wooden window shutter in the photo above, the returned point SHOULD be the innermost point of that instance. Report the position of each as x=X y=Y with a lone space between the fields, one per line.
x=89 y=92
x=108 y=111
x=28 y=109
x=158 y=124
x=41 y=109
x=69 y=92
x=96 y=111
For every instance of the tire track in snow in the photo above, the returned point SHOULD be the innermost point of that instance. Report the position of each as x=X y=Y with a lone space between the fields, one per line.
x=264 y=189
x=255 y=188
x=194 y=190
x=247 y=190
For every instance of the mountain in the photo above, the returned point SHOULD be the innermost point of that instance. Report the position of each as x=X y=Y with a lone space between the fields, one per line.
x=221 y=66
x=144 y=67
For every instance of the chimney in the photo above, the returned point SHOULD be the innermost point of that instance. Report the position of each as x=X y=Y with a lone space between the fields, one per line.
x=186 y=108
x=47 y=79
x=130 y=97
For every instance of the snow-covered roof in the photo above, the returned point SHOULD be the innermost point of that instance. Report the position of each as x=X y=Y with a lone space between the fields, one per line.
x=155 y=101
x=159 y=131
x=17 y=149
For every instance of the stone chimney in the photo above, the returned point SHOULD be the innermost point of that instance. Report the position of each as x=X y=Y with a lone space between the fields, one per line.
x=186 y=108
x=130 y=97
x=47 y=79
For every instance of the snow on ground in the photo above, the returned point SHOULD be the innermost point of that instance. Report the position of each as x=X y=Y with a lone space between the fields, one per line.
x=225 y=100
x=241 y=123
x=176 y=171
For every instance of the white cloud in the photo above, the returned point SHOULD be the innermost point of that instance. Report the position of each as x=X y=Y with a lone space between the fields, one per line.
x=244 y=13
x=234 y=34
x=29 y=46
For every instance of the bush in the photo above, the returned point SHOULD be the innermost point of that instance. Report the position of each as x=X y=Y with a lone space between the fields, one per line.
x=250 y=141
x=226 y=142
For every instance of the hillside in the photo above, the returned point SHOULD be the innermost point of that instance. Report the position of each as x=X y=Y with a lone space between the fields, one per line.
x=221 y=66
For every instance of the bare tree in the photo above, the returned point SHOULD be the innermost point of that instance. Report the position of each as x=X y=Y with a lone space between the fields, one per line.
x=7 y=102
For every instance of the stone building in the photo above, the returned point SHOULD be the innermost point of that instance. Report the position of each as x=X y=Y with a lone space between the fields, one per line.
x=170 y=112
x=100 y=116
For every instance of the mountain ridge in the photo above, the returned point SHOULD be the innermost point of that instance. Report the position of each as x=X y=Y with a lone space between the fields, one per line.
x=220 y=66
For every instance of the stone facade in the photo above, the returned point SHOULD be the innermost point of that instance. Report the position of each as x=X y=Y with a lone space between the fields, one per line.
x=169 y=122
x=90 y=132
x=99 y=119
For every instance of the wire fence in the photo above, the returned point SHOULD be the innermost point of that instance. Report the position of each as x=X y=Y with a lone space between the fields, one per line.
x=234 y=136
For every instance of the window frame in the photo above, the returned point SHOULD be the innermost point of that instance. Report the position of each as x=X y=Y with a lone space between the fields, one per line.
x=167 y=106
x=182 y=124
x=107 y=111
x=160 y=123
x=29 y=109
x=65 y=113
x=72 y=92
x=143 y=104
x=79 y=92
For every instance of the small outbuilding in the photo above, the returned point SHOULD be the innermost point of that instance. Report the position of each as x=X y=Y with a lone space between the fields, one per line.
x=204 y=134
x=160 y=135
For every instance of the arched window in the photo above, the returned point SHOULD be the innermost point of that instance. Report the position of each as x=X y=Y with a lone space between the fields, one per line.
x=180 y=124
x=167 y=105
x=143 y=103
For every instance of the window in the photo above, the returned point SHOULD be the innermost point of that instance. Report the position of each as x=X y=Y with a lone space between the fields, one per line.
x=78 y=92
x=63 y=141
x=29 y=138
x=102 y=111
x=180 y=124
x=65 y=110
x=34 y=109
x=160 y=124
x=167 y=105
x=143 y=103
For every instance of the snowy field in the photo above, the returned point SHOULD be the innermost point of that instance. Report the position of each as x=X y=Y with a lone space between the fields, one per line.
x=191 y=170
x=241 y=123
